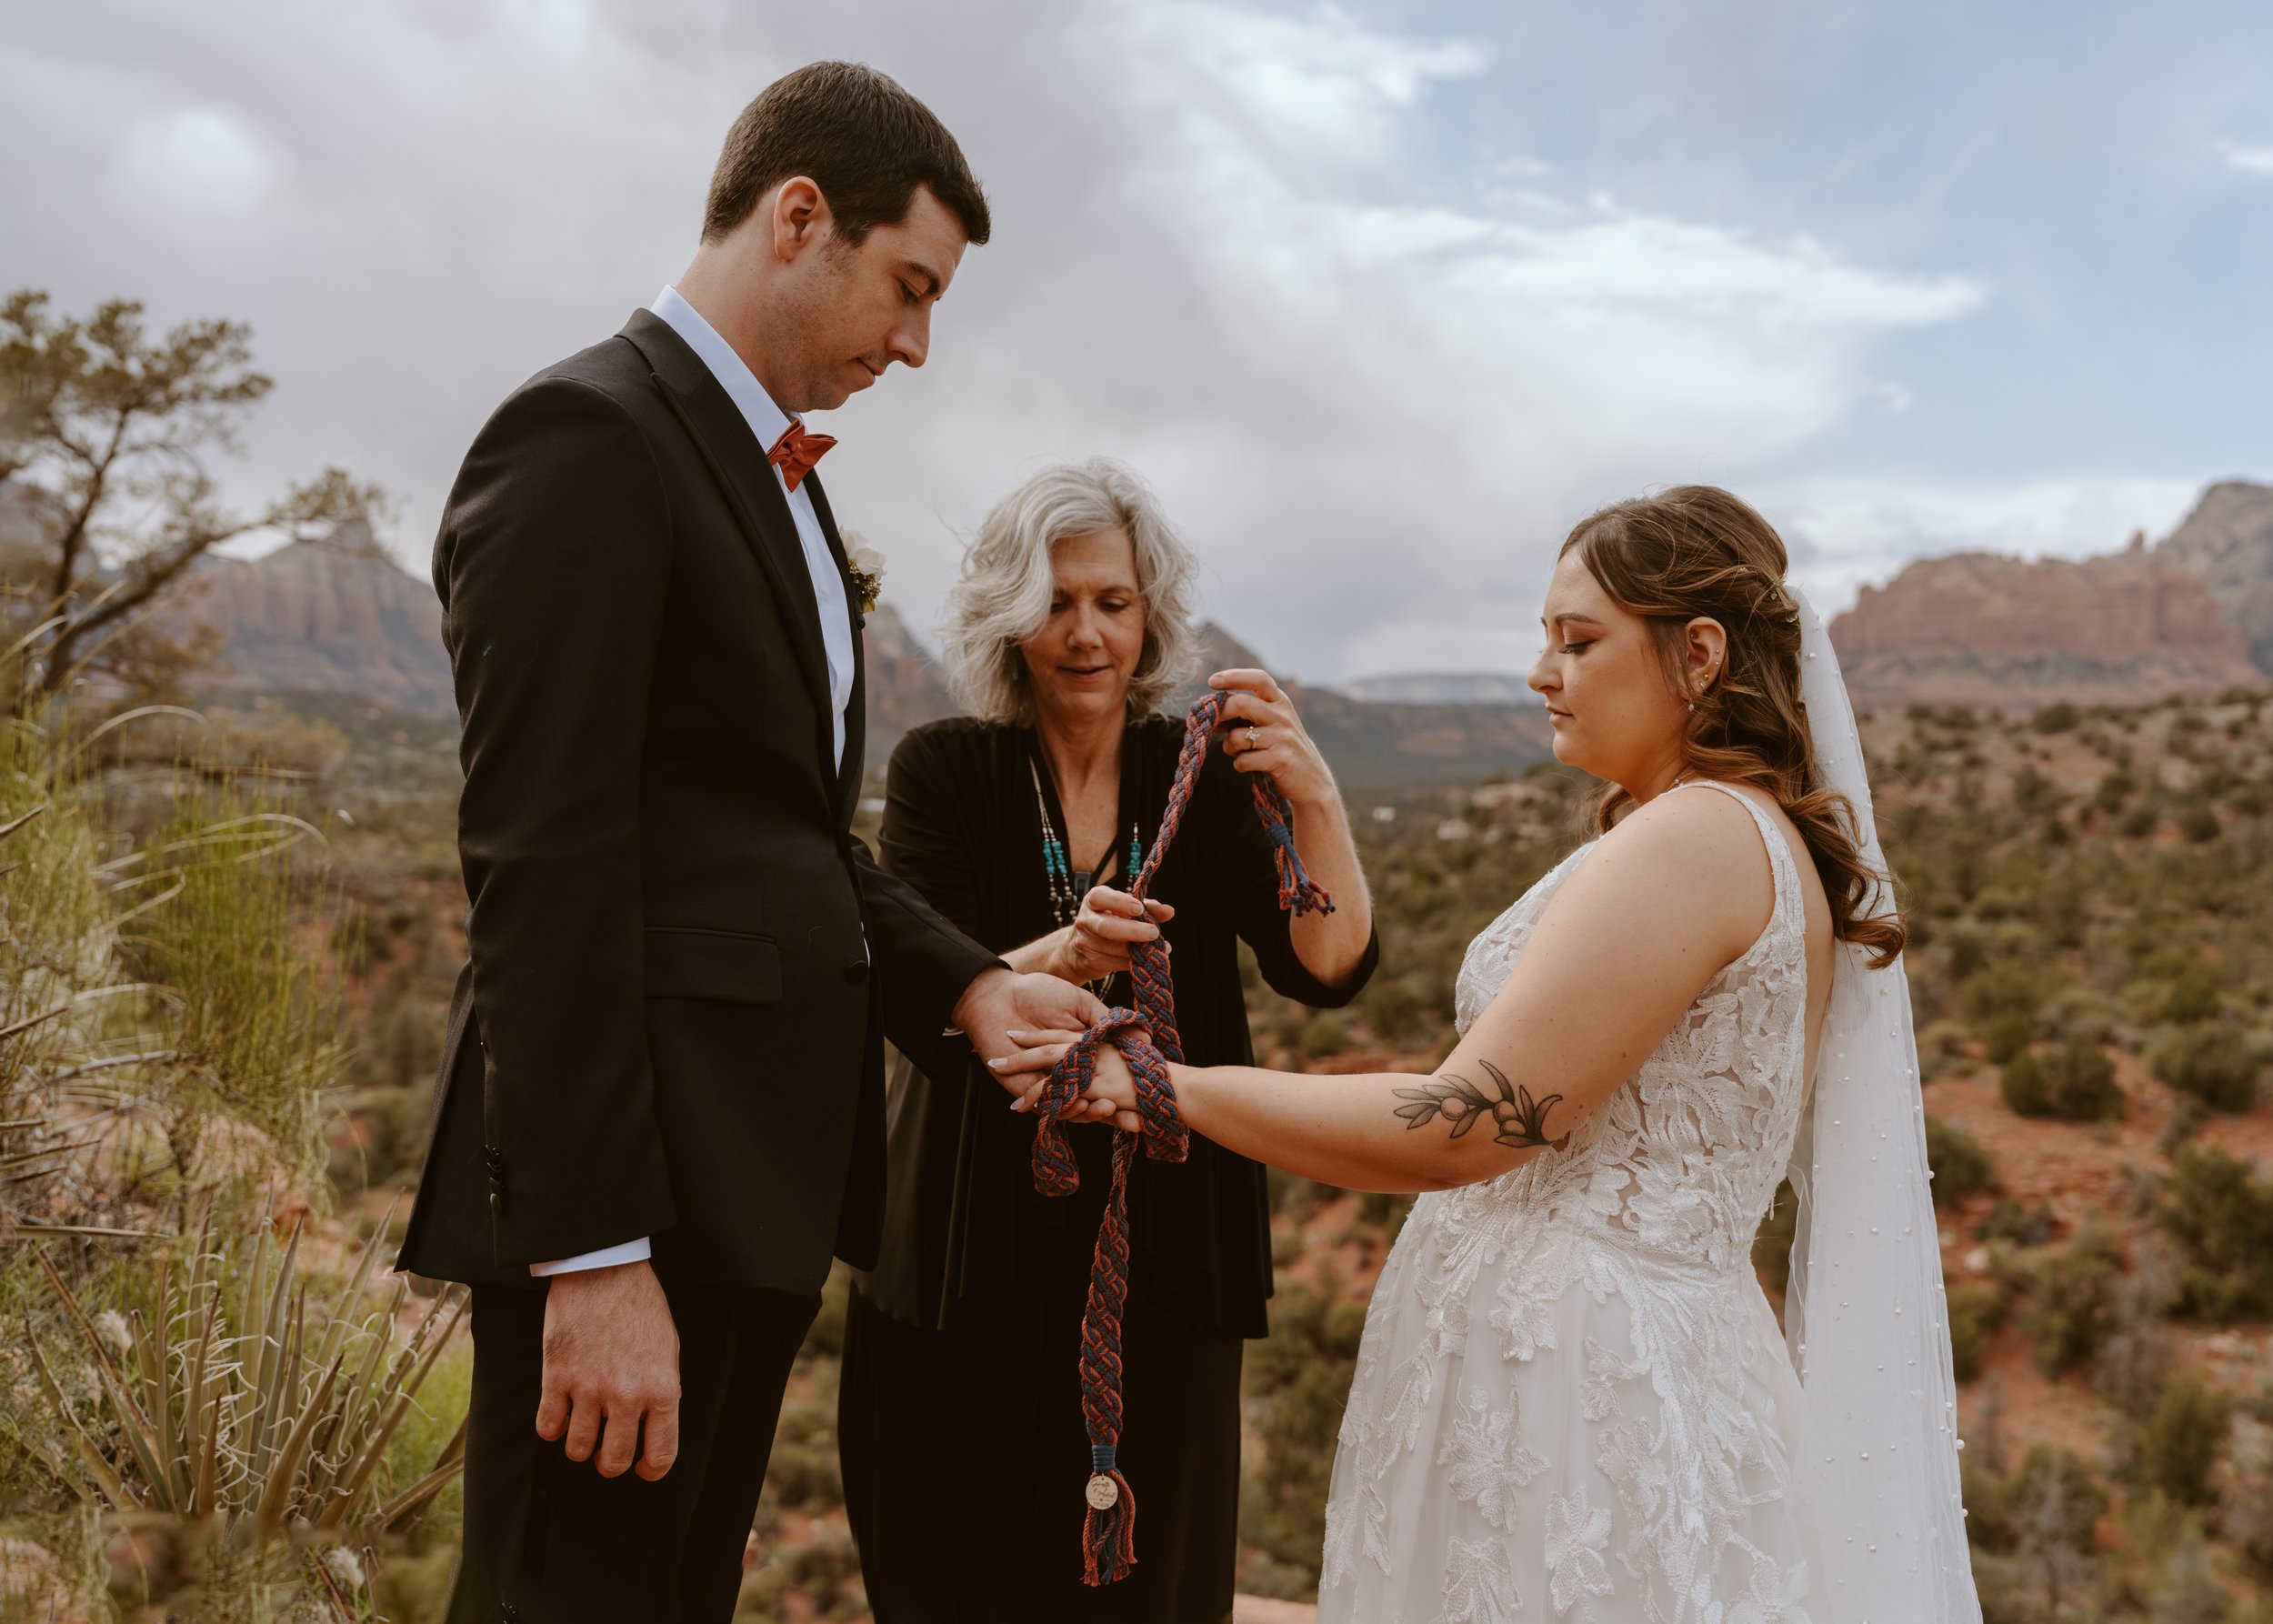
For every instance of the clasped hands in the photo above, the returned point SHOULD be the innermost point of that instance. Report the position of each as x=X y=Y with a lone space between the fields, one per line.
x=1111 y=1096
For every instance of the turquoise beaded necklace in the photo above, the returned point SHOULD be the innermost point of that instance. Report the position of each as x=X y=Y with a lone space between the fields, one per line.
x=1067 y=887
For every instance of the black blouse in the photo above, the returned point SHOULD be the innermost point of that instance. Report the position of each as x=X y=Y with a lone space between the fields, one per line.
x=961 y=1214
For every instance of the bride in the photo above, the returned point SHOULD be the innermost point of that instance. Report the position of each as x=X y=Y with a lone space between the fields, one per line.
x=1572 y=1397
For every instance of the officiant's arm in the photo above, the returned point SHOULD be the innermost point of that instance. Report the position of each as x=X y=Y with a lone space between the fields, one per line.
x=552 y=570
x=1319 y=958
x=1617 y=957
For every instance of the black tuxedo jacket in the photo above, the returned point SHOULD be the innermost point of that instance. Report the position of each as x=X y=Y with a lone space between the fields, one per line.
x=683 y=964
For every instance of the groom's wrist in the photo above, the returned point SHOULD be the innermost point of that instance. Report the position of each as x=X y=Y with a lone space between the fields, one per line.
x=966 y=1008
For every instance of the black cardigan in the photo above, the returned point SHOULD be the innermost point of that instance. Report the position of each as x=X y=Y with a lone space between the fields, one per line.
x=962 y=1216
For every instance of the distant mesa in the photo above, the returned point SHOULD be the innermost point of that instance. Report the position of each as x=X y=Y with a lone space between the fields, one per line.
x=2227 y=542
x=336 y=615
x=2192 y=614
x=1444 y=687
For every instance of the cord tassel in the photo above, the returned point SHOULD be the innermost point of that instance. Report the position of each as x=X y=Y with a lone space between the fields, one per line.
x=1108 y=1534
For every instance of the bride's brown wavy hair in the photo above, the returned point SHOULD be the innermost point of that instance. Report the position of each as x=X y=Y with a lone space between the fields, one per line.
x=1697 y=552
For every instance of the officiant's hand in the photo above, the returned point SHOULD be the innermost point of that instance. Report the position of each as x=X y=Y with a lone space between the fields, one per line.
x=611 y=1364
x=1110 y=922
x=1000 y=1000
x=1262 y=733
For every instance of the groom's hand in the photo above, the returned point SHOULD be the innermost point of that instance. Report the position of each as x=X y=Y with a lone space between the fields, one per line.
x=1001 y=1002
x=611 y=1363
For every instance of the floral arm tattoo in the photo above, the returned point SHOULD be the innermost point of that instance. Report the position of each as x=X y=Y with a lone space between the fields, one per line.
x=1517 y=1119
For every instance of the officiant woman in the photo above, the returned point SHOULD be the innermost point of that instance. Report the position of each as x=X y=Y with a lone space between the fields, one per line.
x=1070 y=640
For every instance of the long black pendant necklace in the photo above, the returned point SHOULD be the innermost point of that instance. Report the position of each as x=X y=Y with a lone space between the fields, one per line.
x=1068 y=886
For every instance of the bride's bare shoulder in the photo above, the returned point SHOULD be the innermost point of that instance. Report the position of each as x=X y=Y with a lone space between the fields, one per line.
x=1696 y=845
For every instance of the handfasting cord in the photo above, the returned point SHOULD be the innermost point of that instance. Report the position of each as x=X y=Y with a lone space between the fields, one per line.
x=1146 y=1037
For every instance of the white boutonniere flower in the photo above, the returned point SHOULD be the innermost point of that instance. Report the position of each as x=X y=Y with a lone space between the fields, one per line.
x=864 y=570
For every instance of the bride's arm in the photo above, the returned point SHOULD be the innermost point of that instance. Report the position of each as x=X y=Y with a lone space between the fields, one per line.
x=1675 y=893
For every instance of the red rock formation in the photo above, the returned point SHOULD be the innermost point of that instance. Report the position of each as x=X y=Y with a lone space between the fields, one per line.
x=905 y=686
x=2228 y=541
x=1973 y=628
x=338 y=615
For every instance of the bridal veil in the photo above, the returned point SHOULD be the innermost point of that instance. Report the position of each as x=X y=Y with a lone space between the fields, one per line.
x=1864 y=1312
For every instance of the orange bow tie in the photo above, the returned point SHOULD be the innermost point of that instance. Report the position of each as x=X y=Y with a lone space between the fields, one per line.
x=795 y=453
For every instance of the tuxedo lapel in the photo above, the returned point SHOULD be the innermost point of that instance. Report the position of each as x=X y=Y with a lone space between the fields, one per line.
x=738 y=463
x=856 y=709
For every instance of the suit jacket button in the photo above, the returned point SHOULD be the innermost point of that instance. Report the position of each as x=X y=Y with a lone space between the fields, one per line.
x=856 y=971
x=497 y=1205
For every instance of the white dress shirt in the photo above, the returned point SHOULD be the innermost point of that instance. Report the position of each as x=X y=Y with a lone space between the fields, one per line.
x=766 y=421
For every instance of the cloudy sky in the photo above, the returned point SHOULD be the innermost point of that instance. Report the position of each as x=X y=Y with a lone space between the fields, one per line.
x=1380 y=297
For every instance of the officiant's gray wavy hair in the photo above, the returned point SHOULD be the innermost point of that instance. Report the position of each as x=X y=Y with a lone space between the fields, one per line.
x=1003 y=595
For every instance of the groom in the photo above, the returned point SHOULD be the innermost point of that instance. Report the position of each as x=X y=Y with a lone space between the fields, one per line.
x=662 y=1100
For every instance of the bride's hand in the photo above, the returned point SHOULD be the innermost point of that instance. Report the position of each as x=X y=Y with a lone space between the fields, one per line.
x=1110 y=922
x=1111 y=1095
x=1262 y=733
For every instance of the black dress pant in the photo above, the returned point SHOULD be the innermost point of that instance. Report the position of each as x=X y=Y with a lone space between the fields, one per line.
x=966 y=1458
x=549 y=1540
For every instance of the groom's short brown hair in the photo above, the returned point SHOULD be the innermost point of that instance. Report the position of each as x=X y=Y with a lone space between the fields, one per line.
x=857 y=135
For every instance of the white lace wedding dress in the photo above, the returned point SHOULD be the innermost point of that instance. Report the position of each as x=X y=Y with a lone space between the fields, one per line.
x=1572 y=1399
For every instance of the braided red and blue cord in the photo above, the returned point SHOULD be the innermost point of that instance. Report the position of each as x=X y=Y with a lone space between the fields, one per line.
x=1146 y=1037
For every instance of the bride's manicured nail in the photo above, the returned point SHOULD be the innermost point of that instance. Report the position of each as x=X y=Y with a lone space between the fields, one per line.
x=1001 y=1061
x=1014 y=1035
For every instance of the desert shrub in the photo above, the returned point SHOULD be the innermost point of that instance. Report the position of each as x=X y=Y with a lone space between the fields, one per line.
x=2051 y=1497
x=1384 y=1213
x=2181 y=1438
x=2003 y=986
x=2075 y=1083
x=2186 y=1120
x=2199 y=822
x=2023 y=1087
x=2215 y=1206
x=2139 y=822
x=2213 y=1063
x=2055 y=718
x=2062 y=909
x=2193 y=996
x=247 y=1403
x=1326 y=1035
x=1961 y=1165
x=2071 y=1299
x=2008 y=1036
x=2011 y=1222
x=821 y=1574
x=1297 y=1383
x=1976 y=1311
x=1968 y=951
x=802 y=1472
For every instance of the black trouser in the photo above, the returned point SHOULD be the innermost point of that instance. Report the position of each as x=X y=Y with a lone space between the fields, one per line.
x=550 y=1542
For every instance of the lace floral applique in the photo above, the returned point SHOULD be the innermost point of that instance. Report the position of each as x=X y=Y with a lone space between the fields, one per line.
x=1772 y=1597
x=1578 y=1534
x=1488 y=1458
x=1479 y=1586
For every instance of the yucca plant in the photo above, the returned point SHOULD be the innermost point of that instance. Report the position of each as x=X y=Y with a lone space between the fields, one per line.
x=235 y=1407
